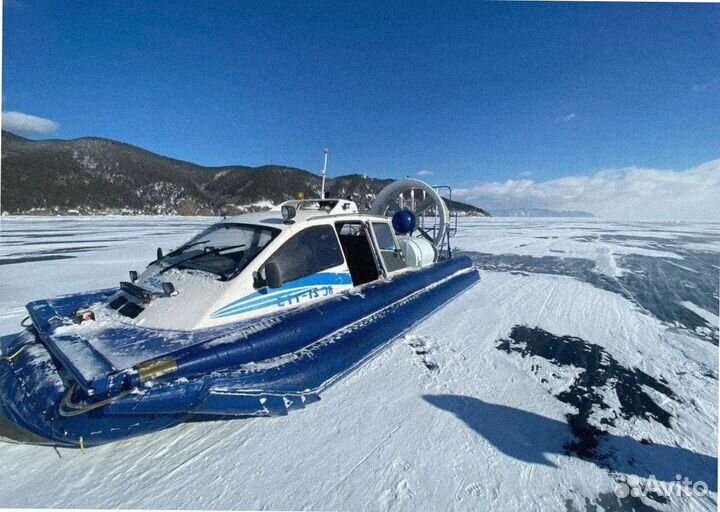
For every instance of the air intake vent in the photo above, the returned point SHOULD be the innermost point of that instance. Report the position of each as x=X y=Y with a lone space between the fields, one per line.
x=130 y=310
x=120 y=301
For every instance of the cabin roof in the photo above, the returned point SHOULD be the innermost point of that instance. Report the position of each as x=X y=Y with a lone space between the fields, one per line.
x=306 y=210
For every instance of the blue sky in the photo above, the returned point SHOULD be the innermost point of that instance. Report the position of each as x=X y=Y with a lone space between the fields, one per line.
x=472 y=92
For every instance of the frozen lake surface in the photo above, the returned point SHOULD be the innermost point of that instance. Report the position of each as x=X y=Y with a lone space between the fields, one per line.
x=586 y=356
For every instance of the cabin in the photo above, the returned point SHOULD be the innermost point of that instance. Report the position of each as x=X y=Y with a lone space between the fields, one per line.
x=265 y=262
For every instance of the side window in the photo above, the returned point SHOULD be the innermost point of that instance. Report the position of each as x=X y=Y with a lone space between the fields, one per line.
x=310 y=251
x=384 y=237
x=350 y=229
x=386 y=243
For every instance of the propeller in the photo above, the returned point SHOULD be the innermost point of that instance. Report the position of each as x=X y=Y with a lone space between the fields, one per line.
x=420 y=199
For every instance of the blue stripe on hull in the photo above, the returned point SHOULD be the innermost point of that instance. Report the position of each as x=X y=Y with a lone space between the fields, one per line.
x=313 y=286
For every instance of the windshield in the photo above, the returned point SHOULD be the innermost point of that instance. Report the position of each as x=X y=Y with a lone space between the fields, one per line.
x=224 y=249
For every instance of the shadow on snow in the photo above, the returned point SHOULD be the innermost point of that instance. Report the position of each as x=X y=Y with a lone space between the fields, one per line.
x=530 y=437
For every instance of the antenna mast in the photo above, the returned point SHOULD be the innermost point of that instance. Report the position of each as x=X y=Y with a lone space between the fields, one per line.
x=324 y=172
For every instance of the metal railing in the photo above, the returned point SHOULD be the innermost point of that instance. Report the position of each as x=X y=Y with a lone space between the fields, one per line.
x=445 y=248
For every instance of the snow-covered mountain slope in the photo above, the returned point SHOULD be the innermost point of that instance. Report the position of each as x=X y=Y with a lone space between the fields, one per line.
x=584 y=363
x=93 y=175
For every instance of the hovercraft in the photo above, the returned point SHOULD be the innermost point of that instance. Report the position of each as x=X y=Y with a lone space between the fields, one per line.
x=254 y=316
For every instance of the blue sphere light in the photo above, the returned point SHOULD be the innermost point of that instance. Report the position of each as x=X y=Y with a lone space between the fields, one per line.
x=403 y=222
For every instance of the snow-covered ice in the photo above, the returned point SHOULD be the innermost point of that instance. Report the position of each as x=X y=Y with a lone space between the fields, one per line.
x=588 y=353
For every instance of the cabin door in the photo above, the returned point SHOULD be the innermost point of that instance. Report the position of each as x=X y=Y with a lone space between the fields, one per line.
x=359 y=255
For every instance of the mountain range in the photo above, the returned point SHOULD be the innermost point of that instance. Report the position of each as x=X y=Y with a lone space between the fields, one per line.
x=94 y=175
x=539 y=212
